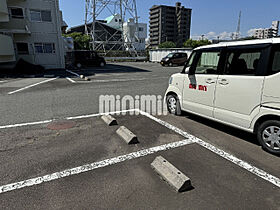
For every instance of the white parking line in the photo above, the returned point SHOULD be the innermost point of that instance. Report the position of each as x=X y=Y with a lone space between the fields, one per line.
x=74 y=73
x=99 y=114
x=67 y=118
x=70 y=80
x=91 y=166
x=29 y=86
x=25 y=124
x=243 y=164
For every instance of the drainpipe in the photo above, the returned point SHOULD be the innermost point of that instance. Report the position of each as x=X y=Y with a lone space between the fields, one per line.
x=59 y=33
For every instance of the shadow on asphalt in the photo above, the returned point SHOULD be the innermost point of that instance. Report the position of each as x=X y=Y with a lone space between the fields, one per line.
x=88 y=71
x=33 y=74
x=243 y=135
x=246 y=136
x=111 y=68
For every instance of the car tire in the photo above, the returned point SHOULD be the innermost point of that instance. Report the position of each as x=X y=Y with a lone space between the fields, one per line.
x=102 y=64
x=268 y=134
x=173 y=105
x=170 y=64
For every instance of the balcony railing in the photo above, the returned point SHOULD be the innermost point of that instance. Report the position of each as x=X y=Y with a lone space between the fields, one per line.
x=7 y=53
x=4 y=14
x=15 y=26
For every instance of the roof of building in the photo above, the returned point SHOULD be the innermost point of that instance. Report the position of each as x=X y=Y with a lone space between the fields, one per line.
x=110 y=18
x=247 y=42
x=89 y=24
x=167 y=6
x=64 y=24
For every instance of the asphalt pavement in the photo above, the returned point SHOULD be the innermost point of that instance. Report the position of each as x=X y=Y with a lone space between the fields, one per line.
x=60 y=98
x=57 y=153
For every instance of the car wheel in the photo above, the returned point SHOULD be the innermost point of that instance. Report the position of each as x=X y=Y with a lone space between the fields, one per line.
x=173 y=105
x=268 y=135
x=170 y=64
x=102 y=64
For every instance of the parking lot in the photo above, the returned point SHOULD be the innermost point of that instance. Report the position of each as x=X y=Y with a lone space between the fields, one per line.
x=57 y=153
x=56 y=97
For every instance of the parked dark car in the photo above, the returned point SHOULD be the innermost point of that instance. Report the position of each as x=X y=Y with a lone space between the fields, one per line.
x=171 y=59
x=87 y=58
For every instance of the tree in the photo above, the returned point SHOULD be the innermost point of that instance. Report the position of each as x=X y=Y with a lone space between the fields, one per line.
x=81 y=41
x=196 y=43
x=167 y=45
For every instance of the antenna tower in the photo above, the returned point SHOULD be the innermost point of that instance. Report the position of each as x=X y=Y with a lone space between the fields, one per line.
x=104 y=39
x=237 y=33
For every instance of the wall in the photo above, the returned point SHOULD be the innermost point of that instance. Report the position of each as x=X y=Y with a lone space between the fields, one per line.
x=129 y=30
x=25 y=30
x=4 y=15
x=157 y=55
x=7 y=53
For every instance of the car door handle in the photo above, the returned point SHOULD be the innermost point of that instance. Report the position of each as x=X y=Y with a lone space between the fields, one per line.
x=210 y=80
x=223 y=81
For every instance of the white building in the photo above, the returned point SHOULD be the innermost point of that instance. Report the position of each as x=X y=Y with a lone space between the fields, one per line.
x=130 y=32
x=266 y=33
x=132 y=35
x=31 y=30
x=114 y=21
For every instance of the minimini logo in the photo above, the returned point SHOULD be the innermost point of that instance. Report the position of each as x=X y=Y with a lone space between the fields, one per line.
x=151 y=104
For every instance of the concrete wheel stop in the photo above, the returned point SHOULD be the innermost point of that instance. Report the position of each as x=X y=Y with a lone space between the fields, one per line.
x=169 y=173
x=109 y=120
x=127 y=135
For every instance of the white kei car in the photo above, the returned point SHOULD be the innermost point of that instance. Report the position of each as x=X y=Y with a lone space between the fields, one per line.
x=235 y=83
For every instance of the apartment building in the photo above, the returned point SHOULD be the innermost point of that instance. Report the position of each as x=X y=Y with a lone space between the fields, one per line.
x=266 y=33
x=31 y=30
x=169 y=23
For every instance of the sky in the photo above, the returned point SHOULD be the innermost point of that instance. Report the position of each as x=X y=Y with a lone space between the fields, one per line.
x=211 y=18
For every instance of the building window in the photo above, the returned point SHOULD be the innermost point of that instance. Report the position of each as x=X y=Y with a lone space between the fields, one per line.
x=16 y=13
x=141 y=29
x=141 y=40
x=44 y=48
x=40 y=16
x=22 y=48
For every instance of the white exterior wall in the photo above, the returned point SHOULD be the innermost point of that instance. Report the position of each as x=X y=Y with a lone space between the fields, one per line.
x=27 y=31
x=130 y=32
x=157 y=55
x=115 y=22
x=266 y=33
